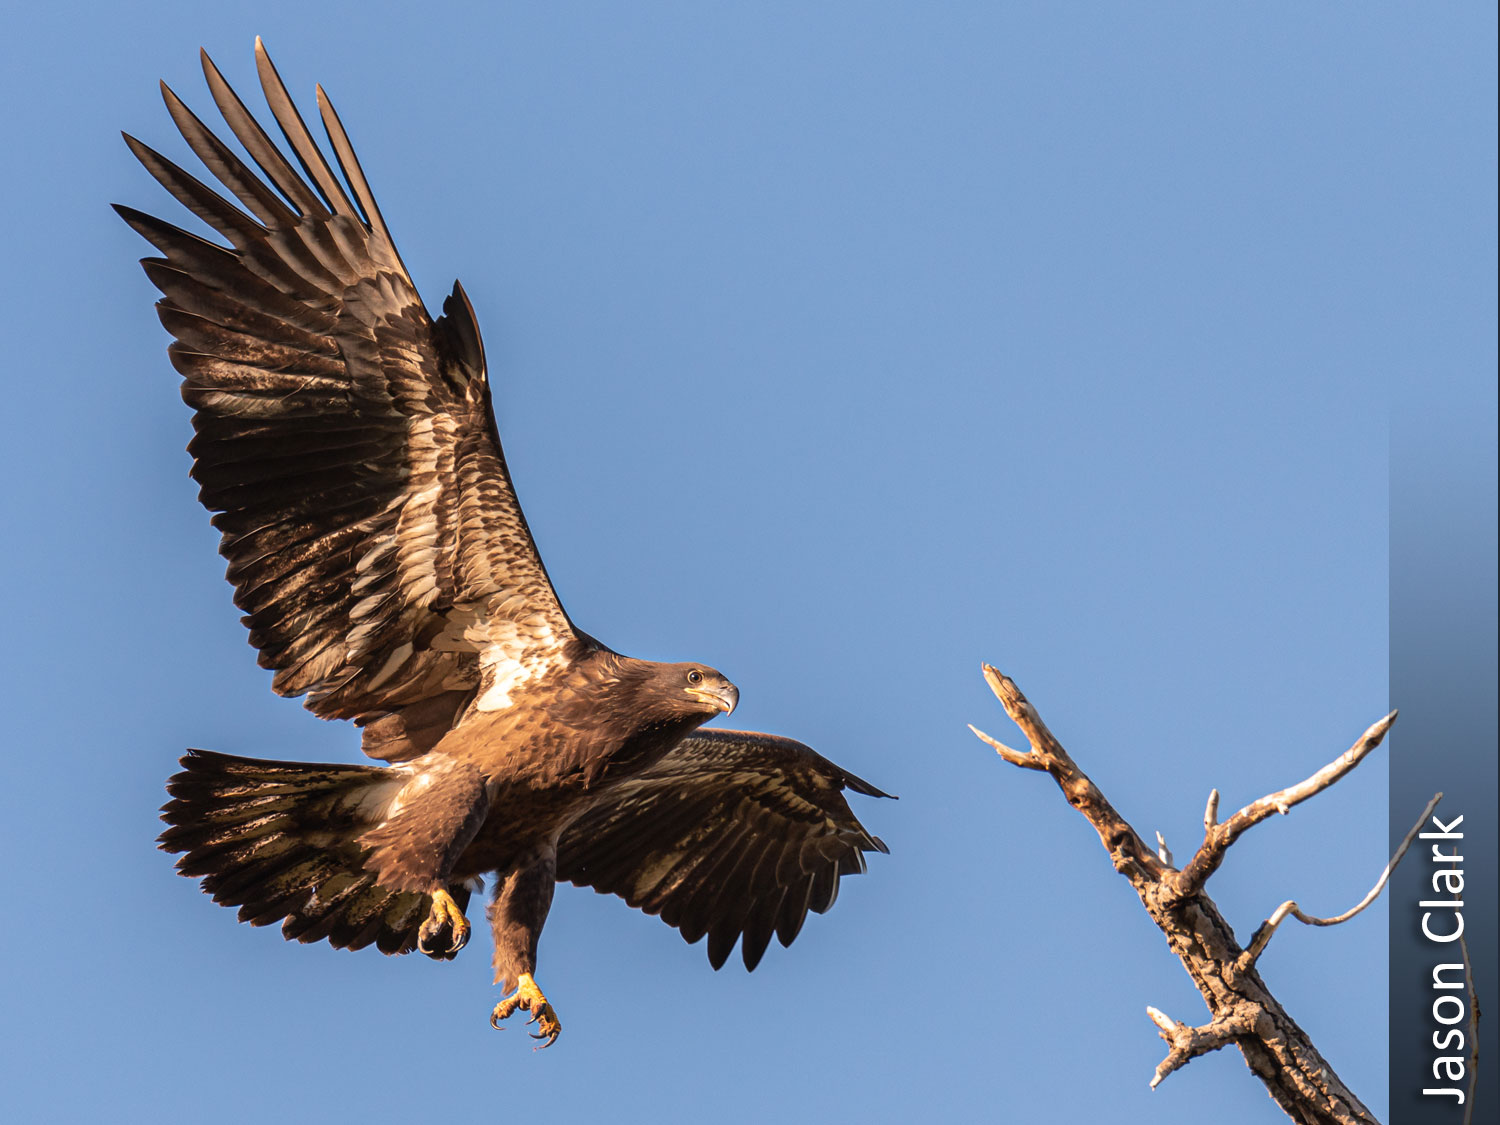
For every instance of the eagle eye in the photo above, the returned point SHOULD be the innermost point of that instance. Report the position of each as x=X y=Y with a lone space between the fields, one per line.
x=695 y=677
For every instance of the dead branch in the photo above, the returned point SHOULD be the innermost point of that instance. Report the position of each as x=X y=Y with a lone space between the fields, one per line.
x=1463 y=948
x=1267 y=928
x=1473 y=1032
x=1244 y=1013
x=1218 y=837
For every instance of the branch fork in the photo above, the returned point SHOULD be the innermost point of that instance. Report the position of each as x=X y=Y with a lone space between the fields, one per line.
x=1218 y=837
x=1244 y=1011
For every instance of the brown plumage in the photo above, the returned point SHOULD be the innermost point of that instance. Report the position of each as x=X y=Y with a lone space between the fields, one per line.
x=346 y=442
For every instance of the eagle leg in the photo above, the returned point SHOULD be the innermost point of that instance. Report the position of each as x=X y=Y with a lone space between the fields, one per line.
x=528 y=996
x=446 y=930
x=523 y=895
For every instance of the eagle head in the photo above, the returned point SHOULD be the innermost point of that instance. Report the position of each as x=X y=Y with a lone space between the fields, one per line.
x=652 y=696
x=701 y=688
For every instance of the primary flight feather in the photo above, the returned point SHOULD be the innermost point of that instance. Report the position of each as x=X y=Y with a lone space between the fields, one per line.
x=346 y=442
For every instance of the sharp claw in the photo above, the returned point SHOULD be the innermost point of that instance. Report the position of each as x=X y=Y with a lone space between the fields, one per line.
x=444 y=917
x=529 y=997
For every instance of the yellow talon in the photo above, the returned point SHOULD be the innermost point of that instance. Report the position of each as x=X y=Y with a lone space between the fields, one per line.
x=444 y=915
x=528 y=996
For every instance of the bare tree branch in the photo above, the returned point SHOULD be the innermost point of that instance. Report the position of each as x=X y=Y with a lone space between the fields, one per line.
x=1473 y=1033
x=1217 y=838
x=1127 y=850
x=1267 y=928
x=1244 y=1012
x=1463 y=948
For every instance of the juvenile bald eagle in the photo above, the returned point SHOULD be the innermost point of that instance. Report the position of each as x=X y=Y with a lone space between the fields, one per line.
x=346 y=441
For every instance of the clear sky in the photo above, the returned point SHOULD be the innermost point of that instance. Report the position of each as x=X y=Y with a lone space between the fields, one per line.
x=840 y=346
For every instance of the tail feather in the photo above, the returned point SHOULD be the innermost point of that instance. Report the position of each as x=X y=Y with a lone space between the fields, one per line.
x=279 y=840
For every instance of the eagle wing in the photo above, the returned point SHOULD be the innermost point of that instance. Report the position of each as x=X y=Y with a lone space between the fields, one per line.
x=344 y=438
x=731 y=833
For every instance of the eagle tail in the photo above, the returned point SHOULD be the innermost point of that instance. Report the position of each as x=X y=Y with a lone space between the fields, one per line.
x=280 y=841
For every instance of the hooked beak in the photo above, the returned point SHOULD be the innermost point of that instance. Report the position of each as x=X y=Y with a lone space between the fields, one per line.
x=725 y=697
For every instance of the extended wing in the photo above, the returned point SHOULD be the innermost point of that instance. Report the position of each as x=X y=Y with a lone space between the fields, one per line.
x=731 y=833
x=345 y=438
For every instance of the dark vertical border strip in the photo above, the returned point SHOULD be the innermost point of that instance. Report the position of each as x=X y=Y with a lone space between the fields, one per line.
x=1443 y=673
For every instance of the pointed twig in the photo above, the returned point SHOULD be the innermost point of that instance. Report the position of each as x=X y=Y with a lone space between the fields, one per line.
x=1216 y=840
x=1127 y=850
x=1187 y=1043
x=1026 y=760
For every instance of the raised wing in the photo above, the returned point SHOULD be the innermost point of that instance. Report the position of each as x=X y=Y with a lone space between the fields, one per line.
x=345 y=439
x=731 y=833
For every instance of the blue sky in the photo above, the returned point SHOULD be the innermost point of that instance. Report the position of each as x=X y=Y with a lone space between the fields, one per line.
x=1055 y=335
